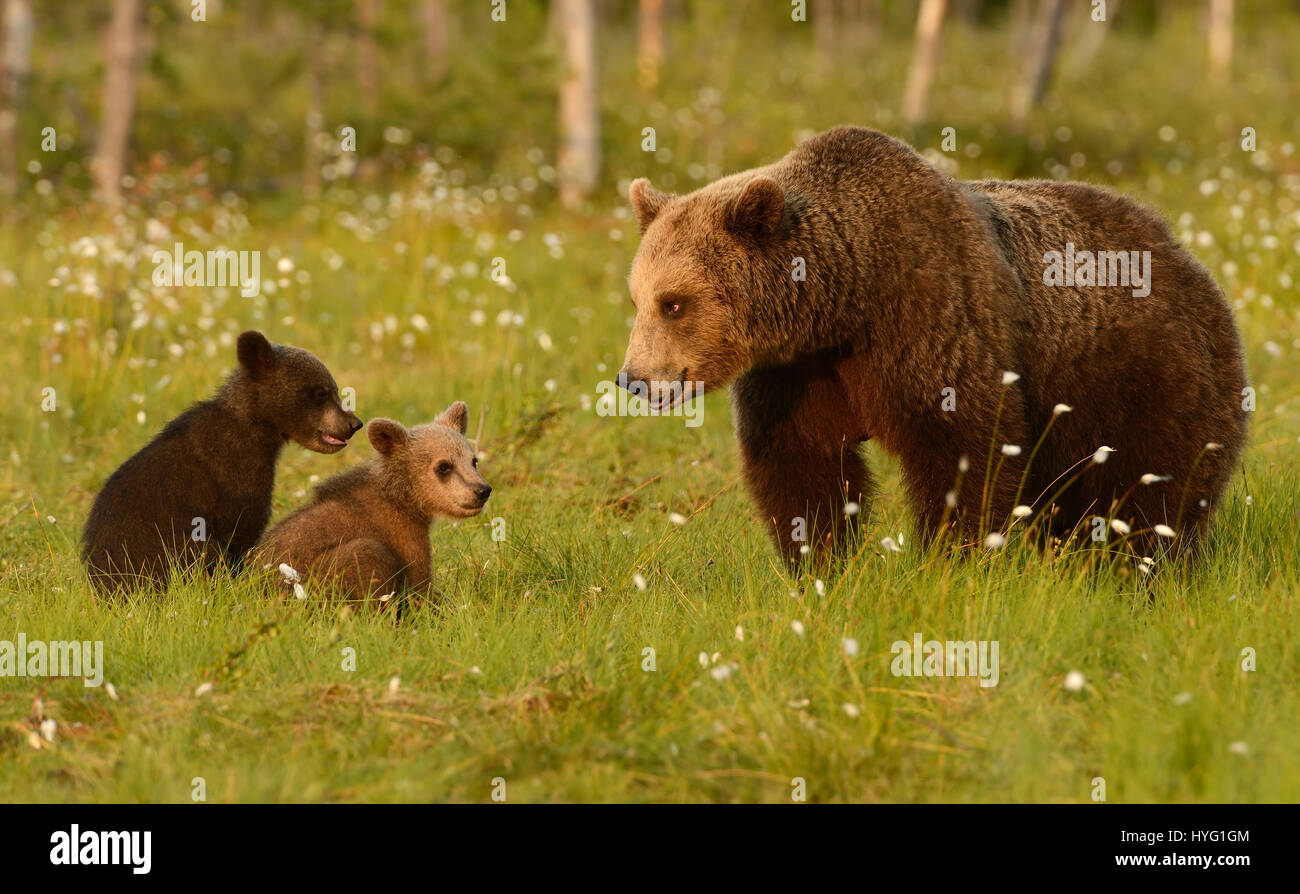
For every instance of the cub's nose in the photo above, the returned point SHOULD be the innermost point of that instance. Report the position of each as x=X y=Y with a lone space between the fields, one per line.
x=483 y=491
x=355 y=424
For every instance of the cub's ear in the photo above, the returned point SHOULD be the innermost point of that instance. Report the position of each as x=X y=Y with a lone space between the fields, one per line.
x=758 y=209
x=387 y=436
x=456 y=416
x=255 y=353
x=647 y=202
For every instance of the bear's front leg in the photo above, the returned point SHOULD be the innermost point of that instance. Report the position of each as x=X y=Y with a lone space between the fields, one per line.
x=799 y=444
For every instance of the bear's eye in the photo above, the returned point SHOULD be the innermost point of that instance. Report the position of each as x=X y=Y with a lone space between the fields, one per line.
x=671 y=307
x=474 y=462
x=444 y=469
x=320 y=395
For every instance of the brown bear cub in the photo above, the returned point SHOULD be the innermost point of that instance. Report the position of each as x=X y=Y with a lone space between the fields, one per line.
x=853 y=291
x=201 y=490
x=367 y=530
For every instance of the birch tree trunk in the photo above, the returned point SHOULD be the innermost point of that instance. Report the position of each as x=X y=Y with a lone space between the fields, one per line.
x=122 y=50
x=367 y=54
x=17 y=61
x=435 y=39
x=578 y=158
x=1046 y=42
x=925 y=59
x=650 y=42
x=1221 y=39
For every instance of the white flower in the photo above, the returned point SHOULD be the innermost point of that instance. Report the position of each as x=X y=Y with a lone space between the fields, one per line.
x=1074 y=681
x=852 y=710
x=1101 y=455
x=963 y=464
x=639 y=582
x=298 y=591
x=851 y=508
x=1213 y=445
x=1022 y=511
x=797 y=627
x=1010 y=449
x=1061 y=408
x=1010 y=378
x=394 y=683
x=804 y=550
x=995 y=541
x=204 y=689
x=850 y=646
x=1183 y=698
x=1238 y=748
x=890 y=546
x=740 y=633
x=721 y=672
x=677 y=518
x=111 y=690
x=1164 y=531
x=1151 y=478
x=1119 y=527
x=48 y=726
x=288 y=573
x=704 y=659
x=820 y=587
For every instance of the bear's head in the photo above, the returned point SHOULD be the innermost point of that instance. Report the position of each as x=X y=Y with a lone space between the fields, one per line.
x=431 y=469
x=703 y=257
x=290 y=389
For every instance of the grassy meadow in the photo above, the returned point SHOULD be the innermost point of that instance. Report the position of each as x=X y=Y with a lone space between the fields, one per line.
x=621 y=534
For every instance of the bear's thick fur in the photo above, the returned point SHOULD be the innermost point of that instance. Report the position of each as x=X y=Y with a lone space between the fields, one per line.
x=853 y=291
x=367 y=529
x=210 y=472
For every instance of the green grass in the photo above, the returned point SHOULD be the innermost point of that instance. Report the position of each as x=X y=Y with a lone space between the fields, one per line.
x=529 y=665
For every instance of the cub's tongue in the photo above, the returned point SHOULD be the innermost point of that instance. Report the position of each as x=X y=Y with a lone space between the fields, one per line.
x=331 y=440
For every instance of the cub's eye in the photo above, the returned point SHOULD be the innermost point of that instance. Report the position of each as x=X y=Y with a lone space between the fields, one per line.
x=320 y=395
x=444 y=469
x=474 y=462
x=671 y=307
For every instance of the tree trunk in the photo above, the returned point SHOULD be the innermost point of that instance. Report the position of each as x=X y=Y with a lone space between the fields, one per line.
x=826 y=21
x=650 y=44
x=367 y=54
x=925 y=59
x=435 y=39
x=1221 y=39
x=122 y=50
x=18 y=27
x=578 y=158
x=312 y=159
x=1047 y=40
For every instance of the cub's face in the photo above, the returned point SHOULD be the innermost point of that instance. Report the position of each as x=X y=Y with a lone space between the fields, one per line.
x=296 y=392
x=432 y=465
x=688 y=285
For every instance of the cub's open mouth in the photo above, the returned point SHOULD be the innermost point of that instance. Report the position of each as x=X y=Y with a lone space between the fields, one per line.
x=332 y=441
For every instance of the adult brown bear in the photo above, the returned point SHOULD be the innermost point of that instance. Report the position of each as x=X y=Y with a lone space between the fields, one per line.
x=853 y=291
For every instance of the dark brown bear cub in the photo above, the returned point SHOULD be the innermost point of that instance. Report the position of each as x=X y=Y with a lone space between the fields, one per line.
x=367 y=529
x=201 y=489
x=853 y=291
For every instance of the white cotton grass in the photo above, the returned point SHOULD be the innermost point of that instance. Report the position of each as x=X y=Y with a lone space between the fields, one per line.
x=890 y=546
x=851 y=508
x=1061 y=408
x=995 y=540
x=1241 y=749
x=1010 y=449
x=1165 y=531
x=1022 y=511
x=298 y=591
x=797 y=627
x=1103 y=453
x=1152 y=478
x=1120 y=527
x=740 y=633
x=204 y=689
x=677 y=518
x=1075 y=681
x=850 y=646
x=820 y=586
x=638 y=581
x=289 y=573
x=1010 y=378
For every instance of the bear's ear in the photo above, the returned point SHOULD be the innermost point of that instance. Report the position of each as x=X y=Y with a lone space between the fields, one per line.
x=255 y=353
x=647 y=202
x=387 y=436
x=758 y=209
x=456 y=416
